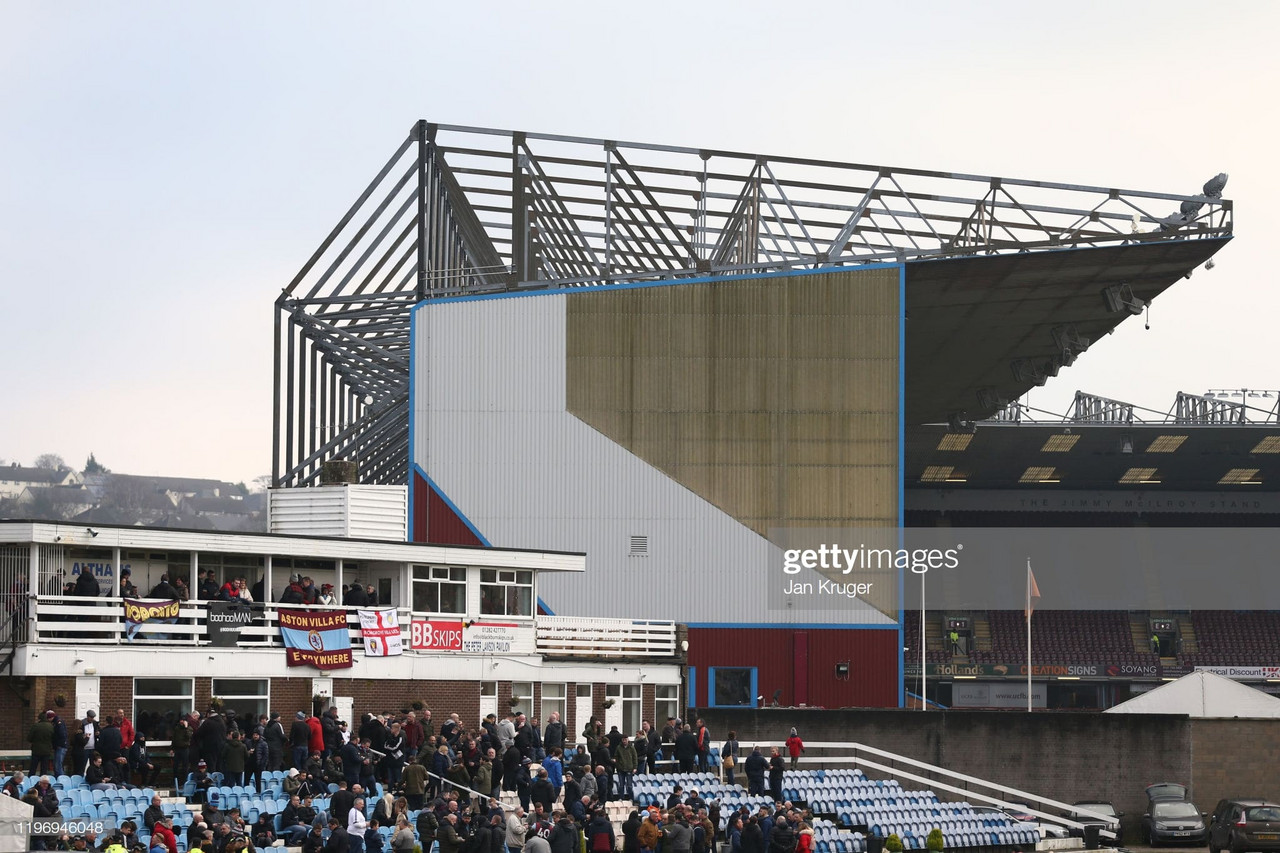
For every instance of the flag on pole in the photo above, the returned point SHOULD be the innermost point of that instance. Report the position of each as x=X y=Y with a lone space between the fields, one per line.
x=1033 y=591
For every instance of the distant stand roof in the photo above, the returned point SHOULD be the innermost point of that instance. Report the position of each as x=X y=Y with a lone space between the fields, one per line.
x=1203 y=694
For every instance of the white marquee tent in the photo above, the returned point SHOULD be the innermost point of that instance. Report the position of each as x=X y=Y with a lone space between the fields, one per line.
x=1203 y=694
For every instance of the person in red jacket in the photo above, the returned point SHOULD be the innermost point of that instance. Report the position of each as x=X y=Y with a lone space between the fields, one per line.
x=126 y=729
x=795 y=746
x=163 y=830
x=316 y=743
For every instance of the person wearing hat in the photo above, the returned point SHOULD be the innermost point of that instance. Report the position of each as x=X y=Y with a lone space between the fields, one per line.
x=795 y=746
x=293 y=593
x=300 y=740
x=127 y=589
x=203 y=781
x=326 y=595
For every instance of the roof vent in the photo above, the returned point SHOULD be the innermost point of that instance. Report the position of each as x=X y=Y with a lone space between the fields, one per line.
x=337 y=472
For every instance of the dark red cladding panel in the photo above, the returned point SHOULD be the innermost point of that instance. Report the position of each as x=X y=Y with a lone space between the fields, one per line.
x=872 y=657
x=434 y=520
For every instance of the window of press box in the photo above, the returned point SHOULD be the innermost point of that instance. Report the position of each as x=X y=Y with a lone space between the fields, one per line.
x=158 y=703
x=248 y=697
x=553 y=702
x=666 y=704
x=732 y=686
x=439 y=589
x=506 y=592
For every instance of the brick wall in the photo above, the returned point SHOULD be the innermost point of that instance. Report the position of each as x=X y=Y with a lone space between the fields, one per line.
x=1234 y=758
x=115 y=693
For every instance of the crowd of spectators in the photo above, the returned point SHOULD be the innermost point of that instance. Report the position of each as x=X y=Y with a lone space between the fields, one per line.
x=394 y=783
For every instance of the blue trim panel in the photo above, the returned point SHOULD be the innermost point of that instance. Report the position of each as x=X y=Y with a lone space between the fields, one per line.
x=902 y=470
x=808 y=626
x=666 y=282
x=711 y=686
x=542 y=605
x=413 y=339
x=693 y=688
x=454 y=507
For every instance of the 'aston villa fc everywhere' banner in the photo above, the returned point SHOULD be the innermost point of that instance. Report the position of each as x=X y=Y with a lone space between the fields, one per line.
x=318 y=639
x=380 y=631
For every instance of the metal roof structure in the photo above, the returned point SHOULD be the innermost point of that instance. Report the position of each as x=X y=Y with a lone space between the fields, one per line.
x=1220 y=443
x=462 y=210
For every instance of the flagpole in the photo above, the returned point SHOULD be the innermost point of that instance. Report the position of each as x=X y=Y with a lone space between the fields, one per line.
x=924 y=703
x=1028 y=635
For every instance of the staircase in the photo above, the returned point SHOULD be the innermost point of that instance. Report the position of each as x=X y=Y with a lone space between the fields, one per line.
x=933 y=634
x=1141 y=629
x=1187 y=632
x=981 y=633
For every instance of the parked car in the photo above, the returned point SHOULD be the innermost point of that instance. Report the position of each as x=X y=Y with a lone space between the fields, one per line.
x=1166 y=791
x=1240 y=825
x=1020 y=812
x=1173 y=822
x=1111 y=823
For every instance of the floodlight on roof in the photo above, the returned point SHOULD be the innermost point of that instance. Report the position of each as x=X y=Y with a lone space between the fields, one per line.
x=1166 y=443
x=1059 y=443
x=1039 y=474
x=1241 y=477
x=1119 y=297
x=936 y=473
x=1270 y=444
x=955 y=441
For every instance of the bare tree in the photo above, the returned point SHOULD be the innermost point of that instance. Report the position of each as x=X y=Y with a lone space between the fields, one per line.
x=50 y=462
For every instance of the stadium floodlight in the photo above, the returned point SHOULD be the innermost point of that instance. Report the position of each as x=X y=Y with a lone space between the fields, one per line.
x=1068 y=339
x=1189 y=209
x=1214 y=186
x=1026 y=370
x=1119 y=297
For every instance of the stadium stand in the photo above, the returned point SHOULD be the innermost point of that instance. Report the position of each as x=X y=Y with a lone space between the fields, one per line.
x=1227 y=638
x=849 y=807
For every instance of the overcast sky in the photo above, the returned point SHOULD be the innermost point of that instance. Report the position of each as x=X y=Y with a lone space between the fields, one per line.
x=165 y=168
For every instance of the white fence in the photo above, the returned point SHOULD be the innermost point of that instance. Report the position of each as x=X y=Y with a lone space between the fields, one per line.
x=101 y=621
x=568 y=635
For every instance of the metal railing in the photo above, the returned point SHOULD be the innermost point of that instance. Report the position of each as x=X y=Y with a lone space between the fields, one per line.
x=1002 y=796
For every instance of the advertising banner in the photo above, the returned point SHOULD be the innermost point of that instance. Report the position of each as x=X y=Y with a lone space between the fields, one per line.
x=225 y=620
x=498 y=638
x=318 y=639
x=977 y=694
x=1042 y=670
x=433 y=636
x=137 y=613
x=478 y=638
x=1244 y=673
x=380 y=633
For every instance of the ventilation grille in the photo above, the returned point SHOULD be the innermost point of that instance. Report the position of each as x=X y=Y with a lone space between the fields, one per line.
x=639 y=546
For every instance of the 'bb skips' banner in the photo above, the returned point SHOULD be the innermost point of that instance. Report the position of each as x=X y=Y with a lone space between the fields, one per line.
x=315 y=639
x=138 y=612
x=380 y=631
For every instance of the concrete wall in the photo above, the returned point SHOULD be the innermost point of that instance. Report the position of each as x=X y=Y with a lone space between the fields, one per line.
x=1068 y=757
